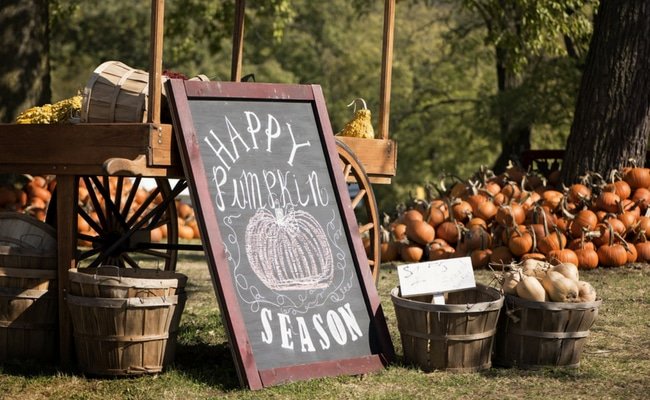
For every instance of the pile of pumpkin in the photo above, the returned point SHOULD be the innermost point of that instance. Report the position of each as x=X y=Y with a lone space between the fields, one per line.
x=34 y=197
x=519 y=215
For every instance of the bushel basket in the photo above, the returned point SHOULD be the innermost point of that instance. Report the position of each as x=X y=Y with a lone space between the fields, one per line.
x=28 y=289
x=126 y=322
x=456 y=336
x=534 y=334
x=114 y=282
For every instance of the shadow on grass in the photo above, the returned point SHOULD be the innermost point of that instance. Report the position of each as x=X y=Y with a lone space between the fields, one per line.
x=210 y=364
x=28 y=368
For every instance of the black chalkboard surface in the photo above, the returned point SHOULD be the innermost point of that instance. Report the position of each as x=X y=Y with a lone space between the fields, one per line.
x=276 y=222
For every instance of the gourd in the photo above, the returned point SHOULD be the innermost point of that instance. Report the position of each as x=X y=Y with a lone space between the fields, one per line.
x=529 y=288
x=360 y=126
x=510 y=281
x=586 y=292
x=568 y=270
x=560 y=288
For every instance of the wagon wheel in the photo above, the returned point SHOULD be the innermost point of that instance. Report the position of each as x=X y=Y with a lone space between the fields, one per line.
x=364 y=205
x=123 y=217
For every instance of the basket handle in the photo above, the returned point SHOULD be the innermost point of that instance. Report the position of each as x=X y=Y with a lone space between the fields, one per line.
x=119 y=275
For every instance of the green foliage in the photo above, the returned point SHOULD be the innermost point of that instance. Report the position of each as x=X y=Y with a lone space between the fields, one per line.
x=445 y=106
x=529 y=28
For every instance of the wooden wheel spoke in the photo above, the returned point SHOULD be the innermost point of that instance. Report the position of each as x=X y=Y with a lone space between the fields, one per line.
x=346 y=171
x=118 y=193
x=87 y=254
x=112 y=210
x=89 y=238
x=95 y=201
x=155 y=253
x=143 y=207
x=129 y=200
x=357 y=199
x=156 y=213
x=129 y=260
x=93 y=224
x=366 y=227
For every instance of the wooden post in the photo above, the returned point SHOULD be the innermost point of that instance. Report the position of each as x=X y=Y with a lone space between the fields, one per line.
x=66 y=197
x=155 y=61
x=386 y=67
x=238 y=41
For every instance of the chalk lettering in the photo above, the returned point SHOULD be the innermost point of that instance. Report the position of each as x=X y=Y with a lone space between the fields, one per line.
x=305 y=339
x=267 y=335
x=295 y=146
x=272 y=131
x=285 y=331
x=324 y=339
x=219 y=177
x=251 y=118
x=234 y=135
x=219 y=149
x=339 y=324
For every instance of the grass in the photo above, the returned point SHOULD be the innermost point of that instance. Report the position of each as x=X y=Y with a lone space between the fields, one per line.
x=615 y=363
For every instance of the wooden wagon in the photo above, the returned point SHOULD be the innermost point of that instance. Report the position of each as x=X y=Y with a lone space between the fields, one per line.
x=99 y=155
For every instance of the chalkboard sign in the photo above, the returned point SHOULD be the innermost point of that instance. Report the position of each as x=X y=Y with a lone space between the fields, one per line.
x=285 y=255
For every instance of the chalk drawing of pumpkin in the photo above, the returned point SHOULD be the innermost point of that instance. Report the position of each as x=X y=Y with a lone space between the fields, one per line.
x=288 y=250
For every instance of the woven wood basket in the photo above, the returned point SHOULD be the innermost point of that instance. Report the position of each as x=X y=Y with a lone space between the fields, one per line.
x=28 y=324
x=28 y=295
x=532 y=335
x=125 y=336
x=114 y=282
x=116 y=92
x=456 y=336
x=22 y=235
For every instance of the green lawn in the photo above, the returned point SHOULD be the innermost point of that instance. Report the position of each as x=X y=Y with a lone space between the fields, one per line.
x=615 y=363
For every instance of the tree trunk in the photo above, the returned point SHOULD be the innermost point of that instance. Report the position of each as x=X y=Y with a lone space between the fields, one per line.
x=515 y=138
x=612 y=117
x=24 y=48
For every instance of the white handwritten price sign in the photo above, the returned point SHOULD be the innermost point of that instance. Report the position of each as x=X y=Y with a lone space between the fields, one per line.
x=435 y=277
x=283 y=247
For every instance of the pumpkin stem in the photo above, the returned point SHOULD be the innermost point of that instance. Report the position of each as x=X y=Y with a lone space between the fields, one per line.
x=354 y=102
x=534 y=237
x=565 y=209
x=623 y=242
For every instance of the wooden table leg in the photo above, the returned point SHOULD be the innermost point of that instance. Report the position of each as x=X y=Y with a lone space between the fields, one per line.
x=66 y=237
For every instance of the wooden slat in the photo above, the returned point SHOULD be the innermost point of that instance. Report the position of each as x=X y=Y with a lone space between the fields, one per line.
x=82 y=149
x=386 y=67
x=163 y=151
x=66 y=230
x=155 y=60
x=378 y=156
x=238 y=41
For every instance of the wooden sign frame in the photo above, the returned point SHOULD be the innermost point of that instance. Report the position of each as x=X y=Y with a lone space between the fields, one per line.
x=379 y=350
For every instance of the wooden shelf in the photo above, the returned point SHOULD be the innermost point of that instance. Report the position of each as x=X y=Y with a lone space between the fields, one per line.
x=83 y=149
x=378 y=157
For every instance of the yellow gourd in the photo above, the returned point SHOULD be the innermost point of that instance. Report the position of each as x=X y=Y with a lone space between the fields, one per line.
x=361 y=124
x=60 y=112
